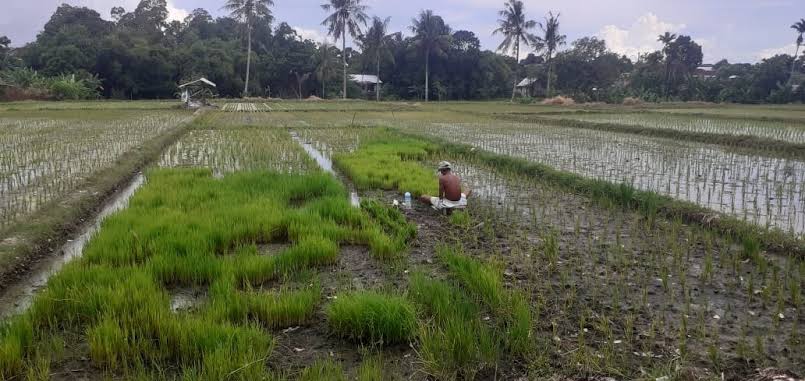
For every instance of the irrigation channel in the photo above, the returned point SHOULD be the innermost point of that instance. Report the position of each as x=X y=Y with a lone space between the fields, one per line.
x=326 y=164
x=18 y=296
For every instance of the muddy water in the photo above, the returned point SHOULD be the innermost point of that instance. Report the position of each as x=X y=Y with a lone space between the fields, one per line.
x=326 y=164
x=18 y=297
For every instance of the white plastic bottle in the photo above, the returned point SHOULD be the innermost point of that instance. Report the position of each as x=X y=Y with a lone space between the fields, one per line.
x=407 y=201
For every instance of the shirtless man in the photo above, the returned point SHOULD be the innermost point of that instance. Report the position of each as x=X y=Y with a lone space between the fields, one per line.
x=450 y=196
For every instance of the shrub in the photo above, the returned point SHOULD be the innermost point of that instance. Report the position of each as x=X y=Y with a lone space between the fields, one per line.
x=373 y=318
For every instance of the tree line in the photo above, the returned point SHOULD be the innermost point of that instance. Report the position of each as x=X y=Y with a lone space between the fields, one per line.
x=140 y=54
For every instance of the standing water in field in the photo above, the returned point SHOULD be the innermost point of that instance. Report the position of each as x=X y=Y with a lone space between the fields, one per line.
x=327 y=165
x=18 y=297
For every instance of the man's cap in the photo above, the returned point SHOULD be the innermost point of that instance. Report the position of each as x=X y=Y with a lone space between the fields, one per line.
x=445 y=165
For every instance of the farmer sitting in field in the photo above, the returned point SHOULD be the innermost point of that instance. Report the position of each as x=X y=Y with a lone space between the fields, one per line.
x=450 y=196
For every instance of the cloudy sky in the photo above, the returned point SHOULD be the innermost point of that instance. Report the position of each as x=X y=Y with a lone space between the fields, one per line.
x=740 y=30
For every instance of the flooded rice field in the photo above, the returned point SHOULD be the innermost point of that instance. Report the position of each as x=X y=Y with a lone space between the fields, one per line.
x=763 y=190
x=791 y=132
x=665 y=284
x=18 y=297
x=235 y=149
x=45 y=158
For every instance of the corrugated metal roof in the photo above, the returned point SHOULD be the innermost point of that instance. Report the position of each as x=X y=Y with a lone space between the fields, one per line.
x=526 y=82
x=365 y=78
x=203 y=80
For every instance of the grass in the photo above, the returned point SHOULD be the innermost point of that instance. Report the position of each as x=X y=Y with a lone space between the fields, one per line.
x=372 y=318
x=188 y=229
x=390 y=164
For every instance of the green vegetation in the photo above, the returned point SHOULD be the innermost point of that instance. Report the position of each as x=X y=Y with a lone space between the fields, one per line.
x=484 y=282
x=372 y=318
x=390 y=164
x=188 y=229
x=323 y=370
x=446 y=347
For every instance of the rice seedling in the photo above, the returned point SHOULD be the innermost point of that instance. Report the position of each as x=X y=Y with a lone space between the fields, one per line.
x=47 y=156
x=325 y=369
x=728 y=182
x=445 y=348
x=371 y=369
x=372 y=318
x=186 y=228
x=389 y=165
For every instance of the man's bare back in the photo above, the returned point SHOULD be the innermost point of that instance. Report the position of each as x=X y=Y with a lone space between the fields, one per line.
x=449 y=186
x=450 y=195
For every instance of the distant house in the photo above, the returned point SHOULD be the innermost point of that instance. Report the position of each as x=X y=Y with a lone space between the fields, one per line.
x=525 y=86
x=367 y=81
x=705 y=72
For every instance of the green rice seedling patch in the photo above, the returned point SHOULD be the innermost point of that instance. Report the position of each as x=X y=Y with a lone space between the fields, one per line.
x=390 y=165
x=372 y=318
x=484 y=282
x=453 y=340
x=324 y=369
x=186 y=228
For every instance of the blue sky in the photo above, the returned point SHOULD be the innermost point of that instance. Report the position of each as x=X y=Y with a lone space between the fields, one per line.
x=740 y=30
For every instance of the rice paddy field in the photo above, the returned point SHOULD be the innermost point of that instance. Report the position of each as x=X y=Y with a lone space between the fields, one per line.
x=265 y=243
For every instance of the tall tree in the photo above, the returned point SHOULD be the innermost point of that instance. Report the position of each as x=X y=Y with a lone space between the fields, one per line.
x=799 y=27
x=515 y=28
x=550 y=41
x=376 y=44
x=432 y=36
x=347 y=17
x=324 y=62
x=667 y=40
x=248 y=12
x=4 y=52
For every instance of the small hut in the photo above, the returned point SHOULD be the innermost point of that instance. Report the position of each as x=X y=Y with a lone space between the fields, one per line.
x=526 y=86
x=368 y=81
x=196 y=93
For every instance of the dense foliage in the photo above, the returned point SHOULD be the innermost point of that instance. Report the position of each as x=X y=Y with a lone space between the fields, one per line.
x=140 y=54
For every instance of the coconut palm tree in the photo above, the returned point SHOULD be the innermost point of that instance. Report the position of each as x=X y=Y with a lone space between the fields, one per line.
x=799 y=27
x=347 y=17
x=514 y=27
x=667 y=40
x=432 y=36
x=376 y=43
x=324 y=58
x=550 y=41
x=248 y=12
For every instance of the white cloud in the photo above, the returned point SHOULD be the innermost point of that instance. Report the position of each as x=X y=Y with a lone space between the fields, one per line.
x=638 y=38
x=176 y=14
x=771 y=52
x=311 y=34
